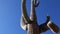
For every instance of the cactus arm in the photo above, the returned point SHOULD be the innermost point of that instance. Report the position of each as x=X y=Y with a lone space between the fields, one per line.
x=36 y=3
x=43 y=27
x=24 y=11
x=23 y=24
x=53 y=27
x=33 y=13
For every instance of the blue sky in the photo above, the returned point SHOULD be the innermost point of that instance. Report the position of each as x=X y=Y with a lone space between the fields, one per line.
x=10 y=14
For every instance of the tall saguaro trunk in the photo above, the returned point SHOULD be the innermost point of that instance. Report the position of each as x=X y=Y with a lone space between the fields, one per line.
x=30 y=24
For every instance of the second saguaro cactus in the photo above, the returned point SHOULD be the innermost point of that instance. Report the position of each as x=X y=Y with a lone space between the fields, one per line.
x=30 y=24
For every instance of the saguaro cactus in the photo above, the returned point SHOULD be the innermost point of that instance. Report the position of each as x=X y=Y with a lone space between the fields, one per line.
x=30 y=24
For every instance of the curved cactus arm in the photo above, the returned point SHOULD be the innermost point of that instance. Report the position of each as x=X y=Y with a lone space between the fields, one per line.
x=53 y=27
x=37 y=2
x=24 y=11
x=43 y=27
x=23 y=24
